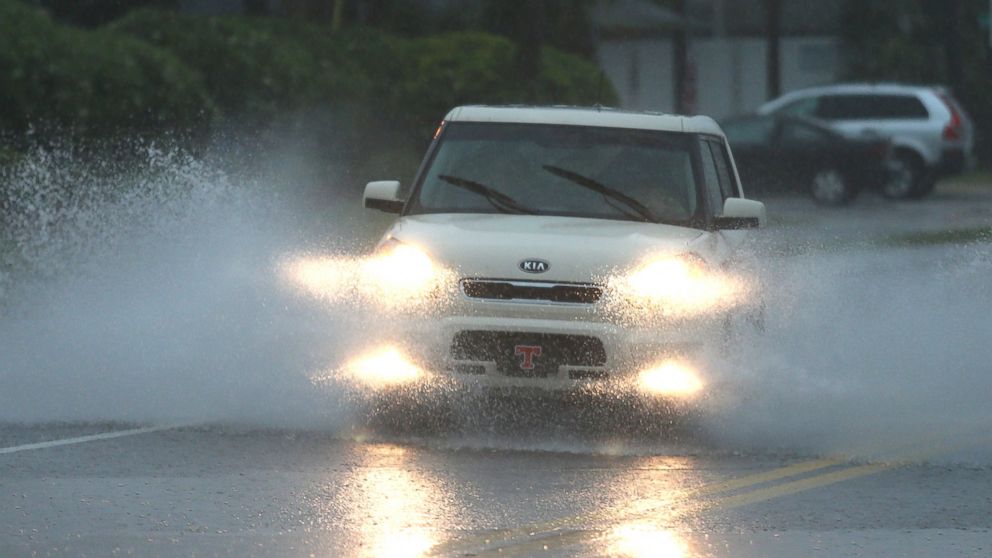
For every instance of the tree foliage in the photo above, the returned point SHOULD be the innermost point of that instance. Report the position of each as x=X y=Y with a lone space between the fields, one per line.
x=91 y=13
x=93 y=81
x=154 y=70
x=924 y=42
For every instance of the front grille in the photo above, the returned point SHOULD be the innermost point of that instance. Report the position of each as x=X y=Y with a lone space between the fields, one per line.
x=539 y=291
x=504 y=349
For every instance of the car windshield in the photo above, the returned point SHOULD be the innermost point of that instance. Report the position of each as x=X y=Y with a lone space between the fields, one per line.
x=576 y=171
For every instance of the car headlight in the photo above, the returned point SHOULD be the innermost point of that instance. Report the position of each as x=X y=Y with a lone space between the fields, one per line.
x=399 y=272
x=671 y=378
x=679 y=284
x=386 y=367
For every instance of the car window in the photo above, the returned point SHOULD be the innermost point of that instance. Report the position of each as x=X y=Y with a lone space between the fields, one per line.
x=752 y=131
x=870 y=107
x=800 y=107
x=800 y=132
x=711 y=177
x=727 y=185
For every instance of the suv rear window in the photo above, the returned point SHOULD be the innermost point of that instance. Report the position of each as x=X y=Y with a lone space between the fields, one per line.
x=870 y=107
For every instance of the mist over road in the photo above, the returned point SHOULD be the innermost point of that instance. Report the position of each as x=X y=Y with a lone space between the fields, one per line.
x=157 y=400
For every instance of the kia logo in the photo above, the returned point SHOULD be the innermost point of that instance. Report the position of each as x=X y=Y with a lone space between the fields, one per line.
x=534 y=266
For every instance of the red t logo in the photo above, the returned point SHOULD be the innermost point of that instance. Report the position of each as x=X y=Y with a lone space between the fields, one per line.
x=528 y=352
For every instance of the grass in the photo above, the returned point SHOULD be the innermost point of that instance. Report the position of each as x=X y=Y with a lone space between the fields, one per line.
x=936 y=238
x=975 y=180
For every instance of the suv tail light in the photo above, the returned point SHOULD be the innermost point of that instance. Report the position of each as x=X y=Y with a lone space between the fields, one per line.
x=954 y=130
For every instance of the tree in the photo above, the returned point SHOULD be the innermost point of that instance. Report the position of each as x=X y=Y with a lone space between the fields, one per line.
x=91 y=13
x=947 y=15
x=256 y=7
x=925 y=42
x=563 y=24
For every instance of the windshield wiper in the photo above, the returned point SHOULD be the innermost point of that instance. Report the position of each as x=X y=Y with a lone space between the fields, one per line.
x=499 y=200
x=640 y=211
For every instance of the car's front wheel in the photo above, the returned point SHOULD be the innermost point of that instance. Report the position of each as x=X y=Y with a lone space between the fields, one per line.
x=829 y=186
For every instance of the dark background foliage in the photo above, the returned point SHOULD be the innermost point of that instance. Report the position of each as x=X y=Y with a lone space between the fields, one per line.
x=105 y=67
x=929 y=42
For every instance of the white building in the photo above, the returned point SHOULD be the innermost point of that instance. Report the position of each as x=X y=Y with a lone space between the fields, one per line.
x=727 y=56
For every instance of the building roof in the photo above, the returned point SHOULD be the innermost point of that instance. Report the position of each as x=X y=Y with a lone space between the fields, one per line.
x=585 y=116
x=749 y=17
x=639 y=18
x=634 y=13
x=642 y=18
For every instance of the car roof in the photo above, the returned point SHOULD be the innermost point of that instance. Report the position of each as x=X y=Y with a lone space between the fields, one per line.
x=857 y=89
x=868 y=87
x=585 y=116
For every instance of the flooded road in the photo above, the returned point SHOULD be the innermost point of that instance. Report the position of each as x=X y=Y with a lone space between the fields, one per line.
x=170 y=414
x=228 y=492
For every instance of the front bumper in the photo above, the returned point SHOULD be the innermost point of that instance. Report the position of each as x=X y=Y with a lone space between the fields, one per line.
x=612 y=358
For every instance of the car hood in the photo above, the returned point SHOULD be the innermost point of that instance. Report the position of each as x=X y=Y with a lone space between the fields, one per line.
x=577 y=249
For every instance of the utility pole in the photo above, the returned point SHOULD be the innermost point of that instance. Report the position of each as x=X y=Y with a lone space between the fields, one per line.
x=680 y=58
x=773 y=29
x=952 y=44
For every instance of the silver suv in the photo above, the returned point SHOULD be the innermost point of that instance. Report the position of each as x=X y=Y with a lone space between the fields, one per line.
x=931 y=134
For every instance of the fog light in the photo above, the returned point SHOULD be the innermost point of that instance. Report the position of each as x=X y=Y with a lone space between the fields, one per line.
x=385 y=367
x=671 y=379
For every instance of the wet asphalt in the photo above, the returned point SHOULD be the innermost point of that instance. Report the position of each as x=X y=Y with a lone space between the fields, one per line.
x=238 y=490
x=227 y=491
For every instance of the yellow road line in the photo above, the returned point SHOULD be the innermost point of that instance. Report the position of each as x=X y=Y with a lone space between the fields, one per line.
x=646 y=505
x=565 y=540
x=801 y=485
x=922 y=450
x=767 y=476
x=552 y=534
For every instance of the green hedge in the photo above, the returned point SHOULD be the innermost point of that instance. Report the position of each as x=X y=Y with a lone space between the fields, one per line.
x=255 y=68
x=154 y=69
x=92 y=81
x=478 y=68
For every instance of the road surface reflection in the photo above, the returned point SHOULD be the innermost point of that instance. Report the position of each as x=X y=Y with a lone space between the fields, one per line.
x=396 y=505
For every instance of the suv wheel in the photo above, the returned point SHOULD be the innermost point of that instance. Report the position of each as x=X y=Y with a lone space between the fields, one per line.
x=830 y=187
x=906 y=172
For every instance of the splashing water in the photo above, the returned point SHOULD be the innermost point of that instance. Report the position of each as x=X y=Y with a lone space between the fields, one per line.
x=874 y=353
x=148 y=294
x=157 y=292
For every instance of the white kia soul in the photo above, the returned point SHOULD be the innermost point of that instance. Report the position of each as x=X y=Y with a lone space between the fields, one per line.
x=564 y=249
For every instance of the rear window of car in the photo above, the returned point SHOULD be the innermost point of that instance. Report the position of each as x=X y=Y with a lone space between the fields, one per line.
x=870 y=107
x=800 y=132
x=800 y=107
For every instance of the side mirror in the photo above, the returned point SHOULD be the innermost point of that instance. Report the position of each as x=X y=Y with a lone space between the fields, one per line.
x=383 y=195
x=739 y=213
